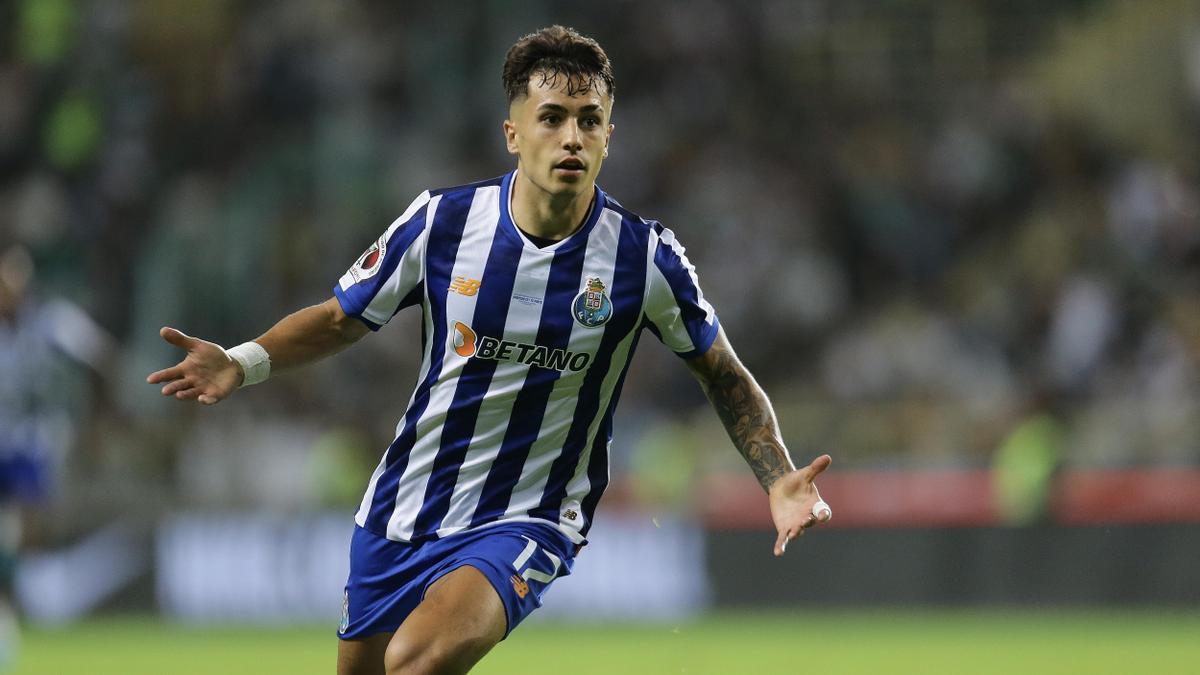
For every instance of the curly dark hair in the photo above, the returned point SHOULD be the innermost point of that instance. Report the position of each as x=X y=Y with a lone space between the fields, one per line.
x=553 y=52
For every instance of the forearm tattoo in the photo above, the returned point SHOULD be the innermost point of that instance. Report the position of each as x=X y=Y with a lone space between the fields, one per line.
x=746 y=413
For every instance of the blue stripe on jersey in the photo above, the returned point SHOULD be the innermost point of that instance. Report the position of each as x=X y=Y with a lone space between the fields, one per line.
x=355 y=299
x=554 y=332
x=413 y=298
x=687 y=296
x=445 y=233
x=491 y=314
x=628 y=288
x=598 y=462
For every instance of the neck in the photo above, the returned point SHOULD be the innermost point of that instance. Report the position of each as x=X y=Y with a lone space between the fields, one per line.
x=545 y=214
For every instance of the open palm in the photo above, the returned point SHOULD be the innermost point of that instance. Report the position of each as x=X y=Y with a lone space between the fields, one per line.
x=792 y=498
x=206 y=374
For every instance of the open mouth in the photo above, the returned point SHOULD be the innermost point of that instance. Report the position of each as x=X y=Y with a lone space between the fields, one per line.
x=570 y=164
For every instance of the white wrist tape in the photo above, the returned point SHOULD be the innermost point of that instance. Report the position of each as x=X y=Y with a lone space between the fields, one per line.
x=254 y=360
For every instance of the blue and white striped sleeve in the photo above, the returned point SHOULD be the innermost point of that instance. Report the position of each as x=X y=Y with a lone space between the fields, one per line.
x=388 y=276
x=676 y=310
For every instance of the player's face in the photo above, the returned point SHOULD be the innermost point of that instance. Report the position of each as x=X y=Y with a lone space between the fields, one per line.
x=560 y=140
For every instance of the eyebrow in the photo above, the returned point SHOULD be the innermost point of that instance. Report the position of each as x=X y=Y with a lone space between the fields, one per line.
x=554 y=107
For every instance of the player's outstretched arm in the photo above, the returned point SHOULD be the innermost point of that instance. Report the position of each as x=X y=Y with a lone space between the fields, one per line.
x=750 y=421
x=209 y=375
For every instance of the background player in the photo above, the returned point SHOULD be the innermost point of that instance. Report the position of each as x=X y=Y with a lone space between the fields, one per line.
x=462 y=254
x=43 y=341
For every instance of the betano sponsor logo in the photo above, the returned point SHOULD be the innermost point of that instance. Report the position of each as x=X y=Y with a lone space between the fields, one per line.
x=467 y=344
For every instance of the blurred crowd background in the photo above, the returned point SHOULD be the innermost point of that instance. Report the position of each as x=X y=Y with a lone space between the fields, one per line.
x=938 y=232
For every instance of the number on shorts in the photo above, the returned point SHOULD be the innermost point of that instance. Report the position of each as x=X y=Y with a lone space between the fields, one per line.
x=530 y=574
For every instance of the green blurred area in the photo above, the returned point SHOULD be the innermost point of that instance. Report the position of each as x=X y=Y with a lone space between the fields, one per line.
x=842 y=641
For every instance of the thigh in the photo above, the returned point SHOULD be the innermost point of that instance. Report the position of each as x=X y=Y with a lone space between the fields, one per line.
x=362 y=656
x=459 y=621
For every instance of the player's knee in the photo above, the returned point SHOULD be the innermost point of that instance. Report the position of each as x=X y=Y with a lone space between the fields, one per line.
x=438 y=656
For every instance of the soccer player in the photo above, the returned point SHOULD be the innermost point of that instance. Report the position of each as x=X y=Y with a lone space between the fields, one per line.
x=534 y=288
x=39 y=335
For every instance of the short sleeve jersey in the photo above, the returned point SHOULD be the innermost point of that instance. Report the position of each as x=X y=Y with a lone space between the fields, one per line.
x=525 y=351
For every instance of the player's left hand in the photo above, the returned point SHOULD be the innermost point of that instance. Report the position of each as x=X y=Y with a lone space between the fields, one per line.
x=792 y=498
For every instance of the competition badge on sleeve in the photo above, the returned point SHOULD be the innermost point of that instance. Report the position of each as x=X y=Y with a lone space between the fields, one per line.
x=592 y=307
x=370 y=262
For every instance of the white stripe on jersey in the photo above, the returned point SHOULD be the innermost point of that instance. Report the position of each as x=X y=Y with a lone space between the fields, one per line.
x=600 y=262
x=659 y=302
x=668 y=238
x=384 y=304
x=469 y=263
x=364 y=507
x=580 y=484
x=523 y=318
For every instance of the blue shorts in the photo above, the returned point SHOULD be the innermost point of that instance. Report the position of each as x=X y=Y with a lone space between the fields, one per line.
x=389 y=578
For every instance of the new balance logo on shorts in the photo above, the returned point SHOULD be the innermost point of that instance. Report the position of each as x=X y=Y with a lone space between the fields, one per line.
x=520 y=586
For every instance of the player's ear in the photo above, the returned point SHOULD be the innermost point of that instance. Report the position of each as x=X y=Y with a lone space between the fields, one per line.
x=608 y=137
x=510 y=136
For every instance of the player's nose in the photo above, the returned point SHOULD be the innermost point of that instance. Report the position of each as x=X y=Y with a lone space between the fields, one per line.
x=571 y=138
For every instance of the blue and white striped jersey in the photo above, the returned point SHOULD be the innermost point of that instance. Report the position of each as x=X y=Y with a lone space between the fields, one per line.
x=525 y=351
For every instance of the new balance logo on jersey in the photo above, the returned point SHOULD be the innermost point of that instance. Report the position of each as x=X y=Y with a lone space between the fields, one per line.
x=467 y=344
x=465 y=286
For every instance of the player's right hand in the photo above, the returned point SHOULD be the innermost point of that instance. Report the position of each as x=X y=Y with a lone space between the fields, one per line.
x=206 y=374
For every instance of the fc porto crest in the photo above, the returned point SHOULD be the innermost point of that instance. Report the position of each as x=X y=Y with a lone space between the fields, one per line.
x=592 y=307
